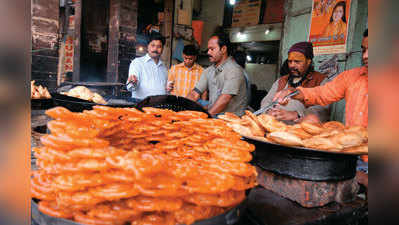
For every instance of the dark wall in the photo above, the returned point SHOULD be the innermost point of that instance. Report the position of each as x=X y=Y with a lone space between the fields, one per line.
x=45 y=27
x=94 y=49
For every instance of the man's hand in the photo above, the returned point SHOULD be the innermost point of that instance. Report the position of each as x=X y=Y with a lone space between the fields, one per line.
x=280 y=96
x=220 y=104
x=132 y=79
x=170 y=86
x=311 y=118
x=281 y=114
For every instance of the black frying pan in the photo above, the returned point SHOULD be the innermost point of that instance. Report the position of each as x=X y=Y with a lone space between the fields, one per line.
x=78 y=105
x=303 y=163
x=230 y=217
x=41 y=104
x=171 y=102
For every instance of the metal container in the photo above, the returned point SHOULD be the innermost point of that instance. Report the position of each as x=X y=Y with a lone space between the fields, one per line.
x=228 y=218
x=303 y=163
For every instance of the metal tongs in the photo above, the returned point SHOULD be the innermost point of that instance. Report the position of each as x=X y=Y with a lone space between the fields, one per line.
x=271 y=105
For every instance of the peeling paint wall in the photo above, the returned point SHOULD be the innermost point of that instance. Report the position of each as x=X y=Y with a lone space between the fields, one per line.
x=45 y=29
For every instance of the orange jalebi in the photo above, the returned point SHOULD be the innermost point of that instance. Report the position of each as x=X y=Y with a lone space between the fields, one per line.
x=151 y=167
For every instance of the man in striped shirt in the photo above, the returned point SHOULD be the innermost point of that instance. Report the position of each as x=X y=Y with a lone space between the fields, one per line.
x=183 y=77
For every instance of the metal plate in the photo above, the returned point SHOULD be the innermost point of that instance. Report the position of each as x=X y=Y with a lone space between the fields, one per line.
x=228 y=218
x=302 y=163
x=302 y=148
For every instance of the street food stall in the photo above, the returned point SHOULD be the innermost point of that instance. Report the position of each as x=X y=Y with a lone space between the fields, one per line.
x=99 y=156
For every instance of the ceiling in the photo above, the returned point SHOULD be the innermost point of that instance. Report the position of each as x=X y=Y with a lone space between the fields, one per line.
x=264 y=47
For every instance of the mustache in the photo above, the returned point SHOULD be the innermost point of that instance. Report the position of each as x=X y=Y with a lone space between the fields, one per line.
x=156 y=53
x=293 y=70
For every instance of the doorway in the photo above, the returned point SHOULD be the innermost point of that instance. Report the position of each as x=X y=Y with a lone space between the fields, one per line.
x=94 y=40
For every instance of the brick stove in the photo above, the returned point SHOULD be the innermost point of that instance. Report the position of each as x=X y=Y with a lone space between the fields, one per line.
x=309 y=177
x=309 y=193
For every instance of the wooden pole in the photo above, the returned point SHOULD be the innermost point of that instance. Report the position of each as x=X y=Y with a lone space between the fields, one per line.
x=167 y=31
x=113 y=42
x=77 y=41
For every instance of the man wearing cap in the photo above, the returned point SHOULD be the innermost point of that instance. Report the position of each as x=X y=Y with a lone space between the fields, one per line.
x=301 y=74
x=351 y=85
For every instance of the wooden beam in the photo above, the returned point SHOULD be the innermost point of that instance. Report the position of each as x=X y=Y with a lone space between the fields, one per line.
x=167 y=31
x=113 y=41
x=77 y=41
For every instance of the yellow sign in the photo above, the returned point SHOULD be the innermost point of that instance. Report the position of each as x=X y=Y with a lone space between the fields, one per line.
x=246 y=13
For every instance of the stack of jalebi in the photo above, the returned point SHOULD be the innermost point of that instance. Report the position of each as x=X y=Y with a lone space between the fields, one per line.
x=119 y=165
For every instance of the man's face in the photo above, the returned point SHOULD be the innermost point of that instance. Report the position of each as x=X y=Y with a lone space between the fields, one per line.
x=298 y=64
x=155 y=49
x=365 y=51
x=215 y=53
x=189 y=60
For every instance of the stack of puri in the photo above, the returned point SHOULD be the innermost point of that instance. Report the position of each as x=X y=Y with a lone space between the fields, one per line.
x=330 y=136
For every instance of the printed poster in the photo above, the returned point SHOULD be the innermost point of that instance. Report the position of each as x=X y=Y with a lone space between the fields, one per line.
x=246 y=13
x=329 y=26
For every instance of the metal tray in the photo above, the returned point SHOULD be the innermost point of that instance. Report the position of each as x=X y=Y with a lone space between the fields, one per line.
x=299 y=148
x=302 y=163
x=228 y=218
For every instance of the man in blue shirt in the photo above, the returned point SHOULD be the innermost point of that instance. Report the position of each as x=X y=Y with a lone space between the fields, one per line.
x=148 y=75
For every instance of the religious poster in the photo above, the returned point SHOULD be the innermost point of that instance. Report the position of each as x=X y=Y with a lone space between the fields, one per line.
x=329 y=26
x=246 y=13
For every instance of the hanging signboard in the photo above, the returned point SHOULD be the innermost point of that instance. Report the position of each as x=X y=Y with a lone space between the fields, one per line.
x=246 y=13
x=68 y=64
x=329 y=26
x=65 y=63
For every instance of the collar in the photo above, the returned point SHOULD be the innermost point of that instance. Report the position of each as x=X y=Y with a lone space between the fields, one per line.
x=220 y=68
x=194 y=67
x=148 y=58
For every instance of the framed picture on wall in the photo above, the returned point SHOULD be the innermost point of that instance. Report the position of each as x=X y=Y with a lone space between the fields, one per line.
x=329 y=26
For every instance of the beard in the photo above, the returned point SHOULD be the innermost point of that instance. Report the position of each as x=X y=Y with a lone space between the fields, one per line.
x=292 y=74
x=293 y=78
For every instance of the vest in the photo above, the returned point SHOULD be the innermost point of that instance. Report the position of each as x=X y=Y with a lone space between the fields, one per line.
x=313 y=79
